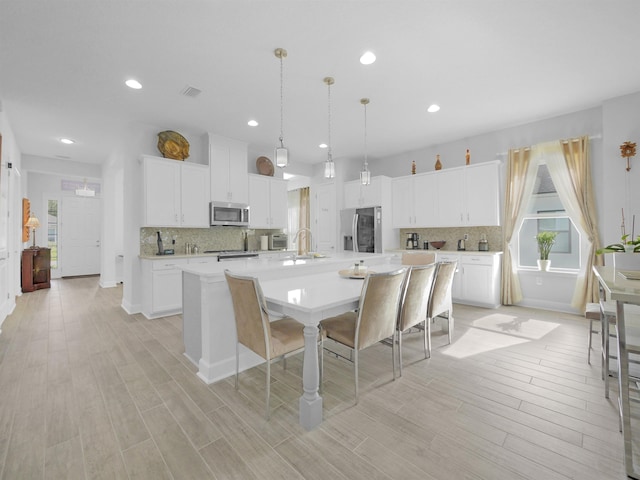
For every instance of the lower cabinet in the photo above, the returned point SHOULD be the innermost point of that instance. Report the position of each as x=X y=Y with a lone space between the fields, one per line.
x=162 y=284
x=477 y=278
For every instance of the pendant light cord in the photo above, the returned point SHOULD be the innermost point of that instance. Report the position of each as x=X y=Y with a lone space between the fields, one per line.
x=281 y=103
x=366 y=163
x=329 y=97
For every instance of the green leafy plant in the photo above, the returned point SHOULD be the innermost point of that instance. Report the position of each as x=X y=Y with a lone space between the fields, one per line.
x=545 y=243
x=625 y=240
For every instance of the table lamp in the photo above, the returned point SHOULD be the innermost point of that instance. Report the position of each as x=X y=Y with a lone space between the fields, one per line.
x=33 y=223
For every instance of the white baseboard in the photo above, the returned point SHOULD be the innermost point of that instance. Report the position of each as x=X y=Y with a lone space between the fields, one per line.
x=130 y=308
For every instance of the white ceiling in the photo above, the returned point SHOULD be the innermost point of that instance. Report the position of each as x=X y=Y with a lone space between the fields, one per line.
x=489 y=64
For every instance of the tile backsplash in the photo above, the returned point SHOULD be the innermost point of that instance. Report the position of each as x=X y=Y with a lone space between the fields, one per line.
x=213 y=238
x=453 y=234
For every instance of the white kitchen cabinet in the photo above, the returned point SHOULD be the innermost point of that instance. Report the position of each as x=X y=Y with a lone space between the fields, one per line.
x=357 y=195
x=480 y=275
x=414 y=201
x=477 y=278
x=268 y=202
x=229 y=175
x=162 y=286
x=469 y=196
x=176 y=194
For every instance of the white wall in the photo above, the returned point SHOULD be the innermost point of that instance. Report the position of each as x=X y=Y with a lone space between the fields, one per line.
x=10 y=219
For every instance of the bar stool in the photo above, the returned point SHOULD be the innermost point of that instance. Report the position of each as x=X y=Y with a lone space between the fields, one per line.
x=605 y=313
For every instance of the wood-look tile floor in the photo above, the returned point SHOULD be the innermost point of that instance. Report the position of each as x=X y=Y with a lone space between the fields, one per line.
x=87 y=391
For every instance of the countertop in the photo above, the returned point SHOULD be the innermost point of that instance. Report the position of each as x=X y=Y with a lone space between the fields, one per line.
x=447 y=252
x=208 y=255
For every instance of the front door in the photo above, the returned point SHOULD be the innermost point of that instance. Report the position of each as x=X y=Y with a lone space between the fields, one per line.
x=79 y=250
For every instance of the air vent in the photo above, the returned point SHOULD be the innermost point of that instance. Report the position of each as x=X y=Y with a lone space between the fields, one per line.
x=190 y=91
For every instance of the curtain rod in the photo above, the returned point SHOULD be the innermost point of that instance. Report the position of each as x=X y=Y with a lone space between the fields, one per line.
x=596 y=136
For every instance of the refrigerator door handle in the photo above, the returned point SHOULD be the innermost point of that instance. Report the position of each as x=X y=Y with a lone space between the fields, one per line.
x=355 y=233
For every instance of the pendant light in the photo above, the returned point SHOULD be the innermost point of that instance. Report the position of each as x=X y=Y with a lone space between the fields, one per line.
x=281 y=153
x=365 y=174
x=329 y=165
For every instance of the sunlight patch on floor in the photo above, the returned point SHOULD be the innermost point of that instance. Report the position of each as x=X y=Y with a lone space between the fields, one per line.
x=475 y=341
x=518 y=326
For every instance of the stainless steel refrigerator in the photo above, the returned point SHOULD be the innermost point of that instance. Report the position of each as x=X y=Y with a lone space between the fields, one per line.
x=361 y=229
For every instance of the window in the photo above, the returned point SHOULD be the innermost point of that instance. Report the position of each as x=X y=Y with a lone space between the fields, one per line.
x=545 y=213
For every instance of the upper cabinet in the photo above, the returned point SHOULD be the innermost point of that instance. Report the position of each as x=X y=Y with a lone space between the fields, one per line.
x=469 y=196
x=267 y=202
x=229 y=177
x=455 y=197
x=414 y=201
x=357 y=195
x=176 y=194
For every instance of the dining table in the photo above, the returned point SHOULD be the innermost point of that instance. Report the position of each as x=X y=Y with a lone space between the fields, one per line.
x=310 y=299
x=623 y=287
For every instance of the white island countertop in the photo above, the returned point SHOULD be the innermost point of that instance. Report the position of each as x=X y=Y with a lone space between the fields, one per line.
x=276 y=267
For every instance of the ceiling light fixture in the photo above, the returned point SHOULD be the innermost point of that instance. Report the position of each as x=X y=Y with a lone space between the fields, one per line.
x=281 y=153
x=365 y=174
x=329 y=165
x=433 y=108
x=367 y=58
x=252 y=123
x=67 y=141
x=131 y=83
x=323 y=145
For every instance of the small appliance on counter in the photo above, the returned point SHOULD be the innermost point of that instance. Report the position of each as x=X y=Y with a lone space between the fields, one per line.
x=413 y=242
x=461 y=245
x=483 y=245
x=278 y=241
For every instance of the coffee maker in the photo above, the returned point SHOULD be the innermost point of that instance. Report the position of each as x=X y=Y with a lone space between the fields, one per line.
x=413 y=241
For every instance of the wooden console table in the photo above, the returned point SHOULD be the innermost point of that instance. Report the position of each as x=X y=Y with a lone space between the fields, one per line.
x=36 y=269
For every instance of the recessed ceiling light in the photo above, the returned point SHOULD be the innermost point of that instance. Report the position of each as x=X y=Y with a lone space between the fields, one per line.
x=433 y=108
x=323 y=145
x=67 y=141
x=131 y=83
x=367 y=58
x=252 y=123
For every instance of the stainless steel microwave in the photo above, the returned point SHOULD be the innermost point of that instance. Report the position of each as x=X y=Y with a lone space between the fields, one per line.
x=231 y=214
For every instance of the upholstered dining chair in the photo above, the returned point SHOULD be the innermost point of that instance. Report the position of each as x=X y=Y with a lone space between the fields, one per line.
x=415 y=303
x=374 y=321
x=441 y=302
x=256 y=330
x=418 y=258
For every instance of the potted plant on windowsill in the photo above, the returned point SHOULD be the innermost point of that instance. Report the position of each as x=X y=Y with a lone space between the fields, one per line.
x=545 y=243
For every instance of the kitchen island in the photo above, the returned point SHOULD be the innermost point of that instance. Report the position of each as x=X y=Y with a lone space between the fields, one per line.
x=209 y=330
x=209 y=325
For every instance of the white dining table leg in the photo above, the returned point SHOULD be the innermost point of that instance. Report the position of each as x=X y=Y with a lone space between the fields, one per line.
x=310 y=401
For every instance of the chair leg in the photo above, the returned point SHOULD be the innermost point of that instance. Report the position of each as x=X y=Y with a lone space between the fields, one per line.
x=321 y=362
x=237 y=363
x=355 y=374
x=428 y=333
x=393 y=355
x=450 y=322
x=399 y=354
x=424 y=338
x=268 y=387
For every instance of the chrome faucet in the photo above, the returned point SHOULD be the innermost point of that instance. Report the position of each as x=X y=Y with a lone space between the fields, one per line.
x=306 y=230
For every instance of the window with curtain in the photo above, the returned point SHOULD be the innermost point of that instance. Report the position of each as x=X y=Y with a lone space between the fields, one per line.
x=546 y=213
x=293 y=224
x=299 y=217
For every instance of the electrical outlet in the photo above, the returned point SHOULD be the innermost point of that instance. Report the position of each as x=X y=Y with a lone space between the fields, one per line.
x=466 y=236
